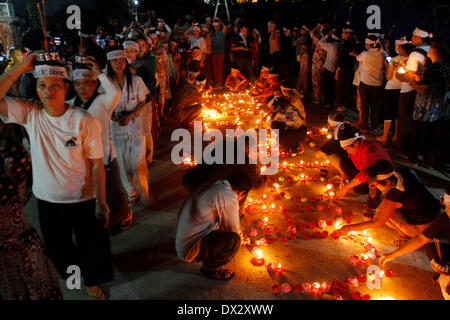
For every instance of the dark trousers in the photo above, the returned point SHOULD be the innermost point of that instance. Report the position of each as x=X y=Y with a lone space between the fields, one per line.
x=116 y=196
x=289 y=139
x=93 y=250
x=369 y=103
x=245 y=67
x=209 y=69
x=218 y=248
x=217 y=64
x=390 y=104
x=423 y=134
x=342 y=86
x=405 y=111
x=431 y=251
x=275 y=61
x=328 y=87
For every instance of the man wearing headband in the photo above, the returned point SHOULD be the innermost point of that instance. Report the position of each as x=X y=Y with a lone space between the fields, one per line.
x=87 y=81
x=332 y=148
x=187 y=101
x=371 y=72
x=68 y=170
x=363 y=154
x=199 y=43
x=330 y=44
x=236 y=81
x=421 y=39
x=439 y=228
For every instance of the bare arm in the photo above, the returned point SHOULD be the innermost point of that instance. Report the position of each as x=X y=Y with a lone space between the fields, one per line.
x=99 y=180
x=384 y=211
x=412 y=245
x=8 y=79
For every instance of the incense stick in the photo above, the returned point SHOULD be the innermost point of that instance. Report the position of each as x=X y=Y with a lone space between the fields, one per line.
x=438 y=248
x=44 y=31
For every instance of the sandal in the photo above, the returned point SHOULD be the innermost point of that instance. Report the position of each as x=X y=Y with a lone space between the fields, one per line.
x=127 y=223
x=219 y=274
x=94 y=293
x=400 y=241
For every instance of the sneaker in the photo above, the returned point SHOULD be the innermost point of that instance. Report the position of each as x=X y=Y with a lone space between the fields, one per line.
x=382 y=139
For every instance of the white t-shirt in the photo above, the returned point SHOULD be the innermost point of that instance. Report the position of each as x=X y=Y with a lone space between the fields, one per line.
x=213 y=208
x=201 y=44
x=332 y=55
x=60 y=150
x=394 y=83
x=371 y=67
x=102 y=108
x=415 y=63
x=138 y=92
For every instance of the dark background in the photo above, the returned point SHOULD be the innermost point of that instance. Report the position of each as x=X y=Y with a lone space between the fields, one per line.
x=404 y=14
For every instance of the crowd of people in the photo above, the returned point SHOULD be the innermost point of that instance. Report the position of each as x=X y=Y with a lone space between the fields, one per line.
x=93 y=113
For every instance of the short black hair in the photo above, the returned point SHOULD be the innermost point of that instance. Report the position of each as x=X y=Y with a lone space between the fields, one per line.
x=347 y=131
x=426 y=28
x=380 y=167
x=240 y=181
x=337 y=116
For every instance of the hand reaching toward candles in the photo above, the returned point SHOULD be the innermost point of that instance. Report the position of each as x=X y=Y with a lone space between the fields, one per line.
x=385 y=259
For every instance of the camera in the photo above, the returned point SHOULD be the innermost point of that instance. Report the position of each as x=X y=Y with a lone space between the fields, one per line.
x=5 y=59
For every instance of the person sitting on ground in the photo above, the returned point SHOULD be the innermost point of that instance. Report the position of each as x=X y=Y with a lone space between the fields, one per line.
x=187 y=100
x=407 y=206
x=332 y=148
x=363 y=154
x=208 y=226
x=236 y=81
x=261 y=83
x=440 y=227
x=288 y=119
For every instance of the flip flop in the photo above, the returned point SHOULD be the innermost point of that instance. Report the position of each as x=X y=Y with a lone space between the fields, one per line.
x=219 y=274
x=399 y=241
x=127 y=223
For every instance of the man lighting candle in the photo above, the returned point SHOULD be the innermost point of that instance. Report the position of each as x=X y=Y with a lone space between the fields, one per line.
x=208 y=226
x=407 y=206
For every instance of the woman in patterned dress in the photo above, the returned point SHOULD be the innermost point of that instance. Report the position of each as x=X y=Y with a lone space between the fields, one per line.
x=26 y=272
x=318 y=60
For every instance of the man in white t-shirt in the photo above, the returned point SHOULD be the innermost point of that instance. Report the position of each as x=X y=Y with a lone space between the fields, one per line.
x=208 y=226
x=414 y=67
x=68 y=171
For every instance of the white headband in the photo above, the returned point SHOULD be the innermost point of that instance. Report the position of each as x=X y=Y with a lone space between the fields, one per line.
x=305 y=27
x=131 y=44
x=272 y=75
x=215 y=23
x=421 y=33
x=45 y=70
x=401 y=41
x=370 y=41
x=347 y=30
x=333 y=123
x=197 y=28
x=400 y=186
x=447 y=199
x=200 y=82
x=265 y=69
x=348 y=142
x=234 y=70
x=83 y=74
x=115 y=54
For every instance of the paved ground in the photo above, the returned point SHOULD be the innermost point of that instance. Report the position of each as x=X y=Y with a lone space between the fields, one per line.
x=146 y=266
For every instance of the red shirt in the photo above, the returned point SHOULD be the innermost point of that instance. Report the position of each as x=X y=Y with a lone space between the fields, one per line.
x=368 y=154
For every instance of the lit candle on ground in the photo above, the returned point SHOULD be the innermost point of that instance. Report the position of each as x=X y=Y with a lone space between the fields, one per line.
x=279 y=268
x=258 y=260
x=332 y=195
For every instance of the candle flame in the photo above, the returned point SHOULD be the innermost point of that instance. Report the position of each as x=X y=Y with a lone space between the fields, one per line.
x=258 y=254
x=264 y=207
x=316 y=285
x=401 y=70
x=279 y=266
x=329 y=186
x=266 y=219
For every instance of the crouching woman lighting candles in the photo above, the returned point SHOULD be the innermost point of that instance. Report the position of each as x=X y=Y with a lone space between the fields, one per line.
x=407 y=206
